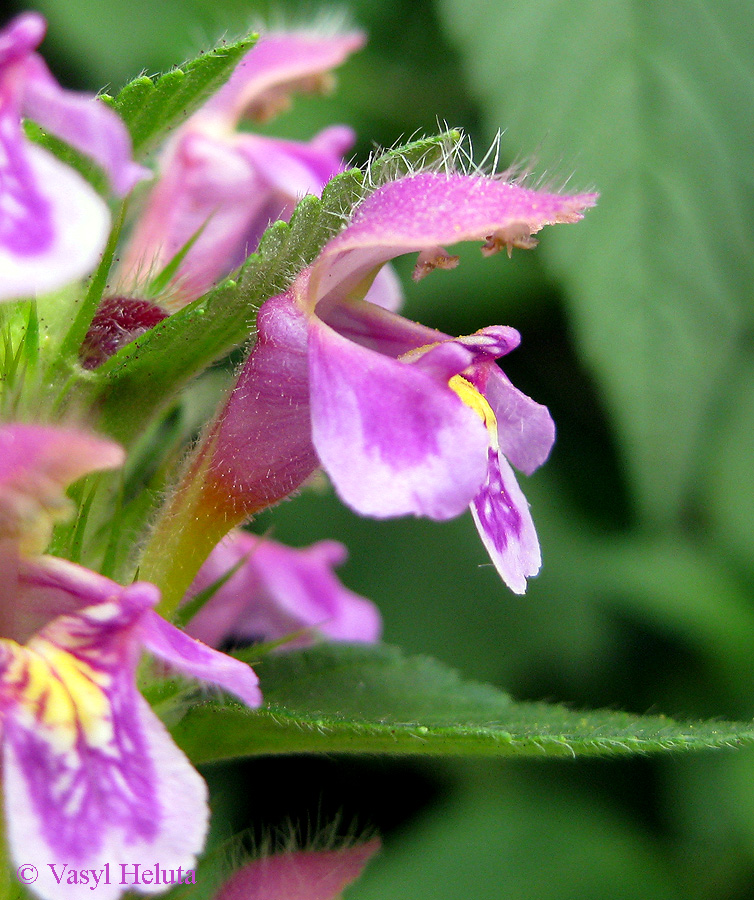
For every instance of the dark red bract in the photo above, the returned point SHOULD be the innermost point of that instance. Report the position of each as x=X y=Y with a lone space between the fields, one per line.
x=117 y=322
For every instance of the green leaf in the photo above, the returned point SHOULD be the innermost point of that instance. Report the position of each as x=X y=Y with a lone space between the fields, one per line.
x=152 y=107
x=646 y=102
x=680 y=588
x=362 y=699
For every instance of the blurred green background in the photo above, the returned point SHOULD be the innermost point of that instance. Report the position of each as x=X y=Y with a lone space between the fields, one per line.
x=637 y=333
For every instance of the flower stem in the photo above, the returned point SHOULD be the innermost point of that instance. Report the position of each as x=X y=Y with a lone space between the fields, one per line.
x=183 y=537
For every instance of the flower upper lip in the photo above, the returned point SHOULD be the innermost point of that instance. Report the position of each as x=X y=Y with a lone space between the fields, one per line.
x=420 y=212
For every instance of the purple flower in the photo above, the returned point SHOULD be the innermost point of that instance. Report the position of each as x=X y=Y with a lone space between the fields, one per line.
x=276 y=591
x=54 y=225
x=299 y=874
x=90 y=774
x=404 y=419
x=223 y=187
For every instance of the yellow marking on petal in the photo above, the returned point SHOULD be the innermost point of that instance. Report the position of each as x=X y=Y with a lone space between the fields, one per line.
x=42 y=702
x=478 y=402
x=59 y=695
x=85 y=687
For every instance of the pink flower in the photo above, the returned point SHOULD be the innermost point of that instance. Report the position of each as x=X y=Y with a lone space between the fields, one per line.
x=222 y=186
x=277 y=591
x=54 y=225
x=404 y=419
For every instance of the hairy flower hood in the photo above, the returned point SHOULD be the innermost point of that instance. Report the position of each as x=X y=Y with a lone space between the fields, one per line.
x=424 y=213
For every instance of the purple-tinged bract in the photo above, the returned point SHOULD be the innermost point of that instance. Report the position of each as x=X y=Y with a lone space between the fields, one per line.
x=299 y=874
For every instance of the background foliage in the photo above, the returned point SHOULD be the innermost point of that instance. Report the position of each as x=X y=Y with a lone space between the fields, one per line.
x=637 y=333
